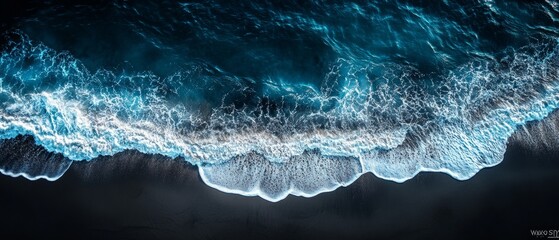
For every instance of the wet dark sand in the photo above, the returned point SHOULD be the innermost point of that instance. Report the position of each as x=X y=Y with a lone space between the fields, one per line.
x=136 y=196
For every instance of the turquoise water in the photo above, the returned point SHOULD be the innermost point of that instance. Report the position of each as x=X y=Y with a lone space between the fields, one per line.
x=272 y=99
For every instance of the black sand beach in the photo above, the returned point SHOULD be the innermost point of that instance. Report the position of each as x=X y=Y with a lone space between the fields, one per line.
x=136 y=196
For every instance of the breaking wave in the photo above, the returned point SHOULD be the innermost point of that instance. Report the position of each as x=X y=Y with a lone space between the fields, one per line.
x=274 y=136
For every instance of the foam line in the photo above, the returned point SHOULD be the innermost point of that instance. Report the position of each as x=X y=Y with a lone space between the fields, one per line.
x=310 y=141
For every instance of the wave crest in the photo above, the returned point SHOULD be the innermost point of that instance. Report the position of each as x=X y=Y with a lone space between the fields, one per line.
x=286 y=137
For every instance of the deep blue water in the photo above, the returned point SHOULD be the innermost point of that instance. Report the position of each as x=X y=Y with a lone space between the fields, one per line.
x=272 y=98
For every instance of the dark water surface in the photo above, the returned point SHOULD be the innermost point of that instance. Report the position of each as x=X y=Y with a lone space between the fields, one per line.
x=278 y=98
x=142 y=110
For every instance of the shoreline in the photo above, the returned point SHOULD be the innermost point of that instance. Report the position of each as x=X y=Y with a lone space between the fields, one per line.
x=137 y=199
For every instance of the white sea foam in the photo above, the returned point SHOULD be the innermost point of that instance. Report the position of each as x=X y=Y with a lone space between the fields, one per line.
x=393 y=125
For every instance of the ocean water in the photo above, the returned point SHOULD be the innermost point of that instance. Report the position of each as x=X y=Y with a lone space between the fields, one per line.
x=272 y=98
